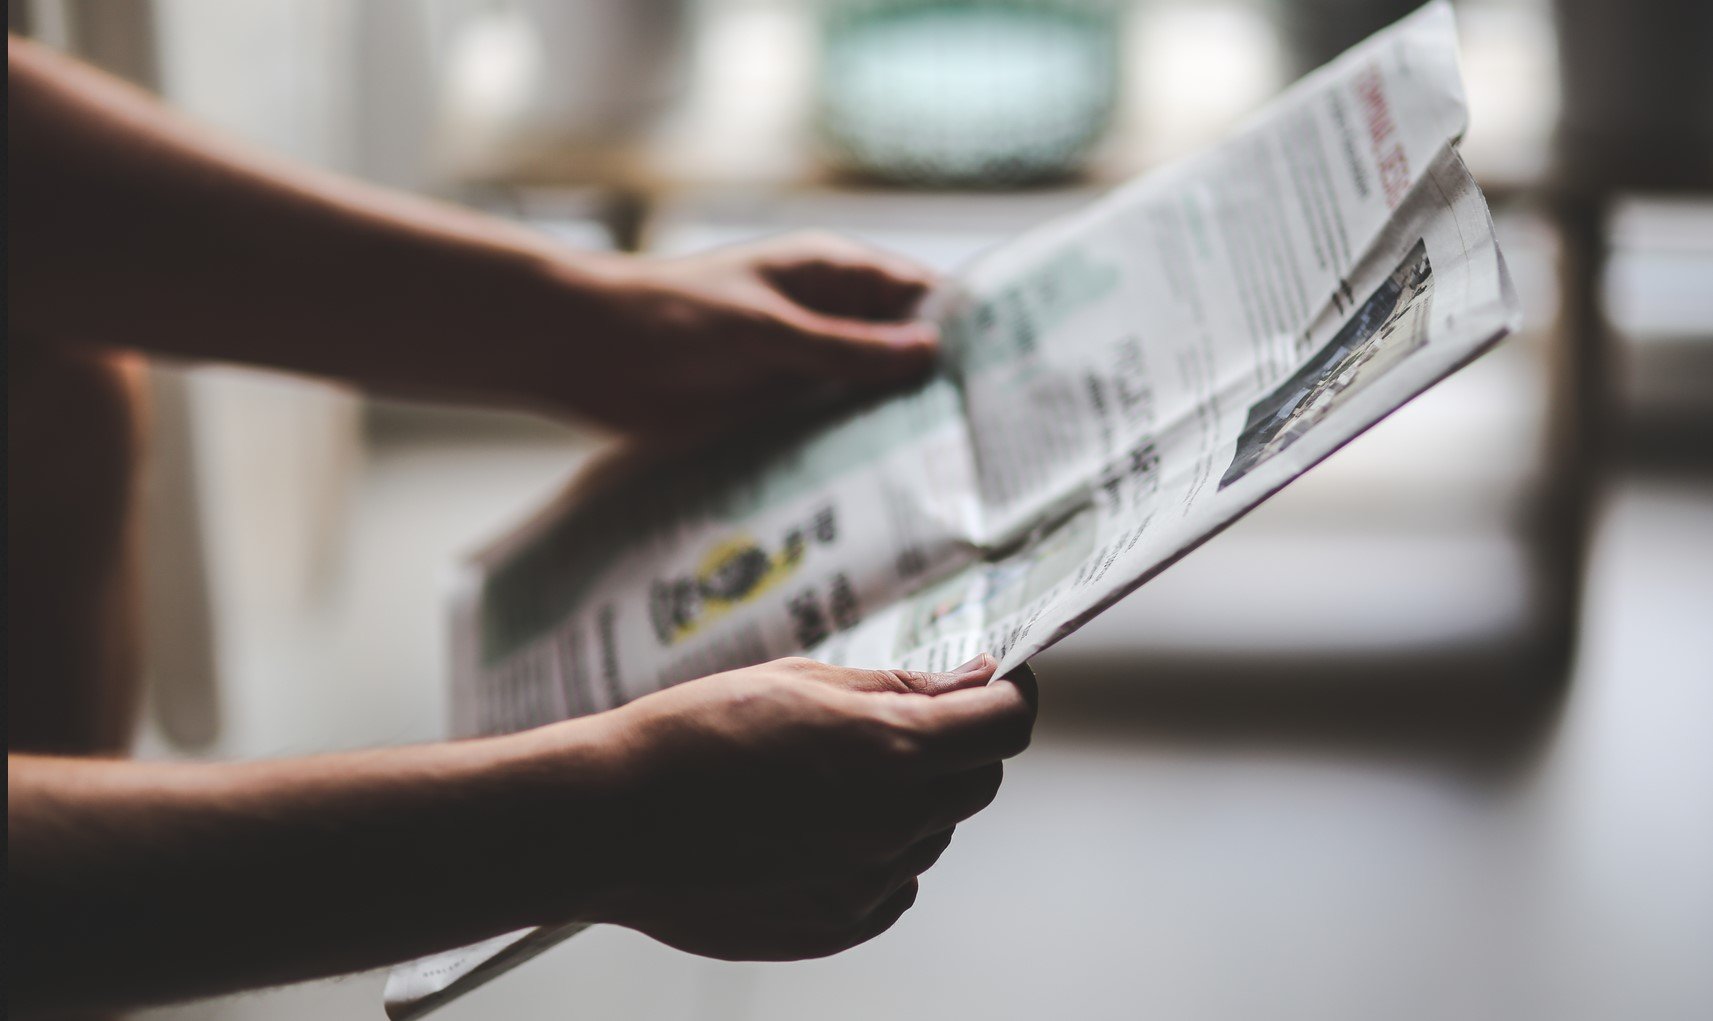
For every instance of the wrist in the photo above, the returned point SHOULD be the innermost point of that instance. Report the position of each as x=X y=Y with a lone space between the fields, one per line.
x=566 y=333
x=559 y=796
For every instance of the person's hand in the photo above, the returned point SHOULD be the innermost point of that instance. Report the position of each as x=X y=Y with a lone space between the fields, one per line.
x=784 y=811
x=750 y=331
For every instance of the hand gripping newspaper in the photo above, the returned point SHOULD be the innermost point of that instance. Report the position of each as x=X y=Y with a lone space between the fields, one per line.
x=1116 y=387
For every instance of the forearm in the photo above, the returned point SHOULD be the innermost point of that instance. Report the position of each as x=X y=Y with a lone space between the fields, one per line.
x=139 y=882
x=130 y=227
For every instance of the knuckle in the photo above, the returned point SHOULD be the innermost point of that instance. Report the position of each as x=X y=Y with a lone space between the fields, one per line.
x=672 y=310
x=888 y=680
x=906 y=680
x=745 y=689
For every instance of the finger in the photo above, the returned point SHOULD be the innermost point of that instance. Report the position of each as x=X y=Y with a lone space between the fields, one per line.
x=976 y=672
x=857 y=289
x=972 y=674
x=965 y=728
x=820 y=345
x=859 y=896
x=887 y=915
x=950 y=800
x=844 y=277
x=1024 y=677
x=910 y=863
x=910 y=278
x=925 y=853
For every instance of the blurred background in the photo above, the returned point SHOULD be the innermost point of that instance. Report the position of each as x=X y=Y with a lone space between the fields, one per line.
x=1425 y=737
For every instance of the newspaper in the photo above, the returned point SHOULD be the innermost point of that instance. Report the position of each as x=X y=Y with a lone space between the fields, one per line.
x=1116 y=387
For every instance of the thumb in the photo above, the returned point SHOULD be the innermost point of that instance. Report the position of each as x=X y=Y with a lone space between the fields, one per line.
x=973 y=674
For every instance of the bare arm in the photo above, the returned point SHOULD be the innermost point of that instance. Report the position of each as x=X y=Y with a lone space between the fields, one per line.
x=782 y=811
x=128 y=226
x=139 y=882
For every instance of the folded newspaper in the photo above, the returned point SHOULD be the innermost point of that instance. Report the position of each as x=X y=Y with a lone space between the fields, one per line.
x=1116 y=387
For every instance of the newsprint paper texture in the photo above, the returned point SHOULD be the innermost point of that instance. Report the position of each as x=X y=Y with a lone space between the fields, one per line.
x=1117 y=386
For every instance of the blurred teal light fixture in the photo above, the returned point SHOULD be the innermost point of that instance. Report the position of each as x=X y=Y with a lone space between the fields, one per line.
x=966 y=92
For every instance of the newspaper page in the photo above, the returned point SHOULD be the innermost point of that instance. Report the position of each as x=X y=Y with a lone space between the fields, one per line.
x=1117 y=386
